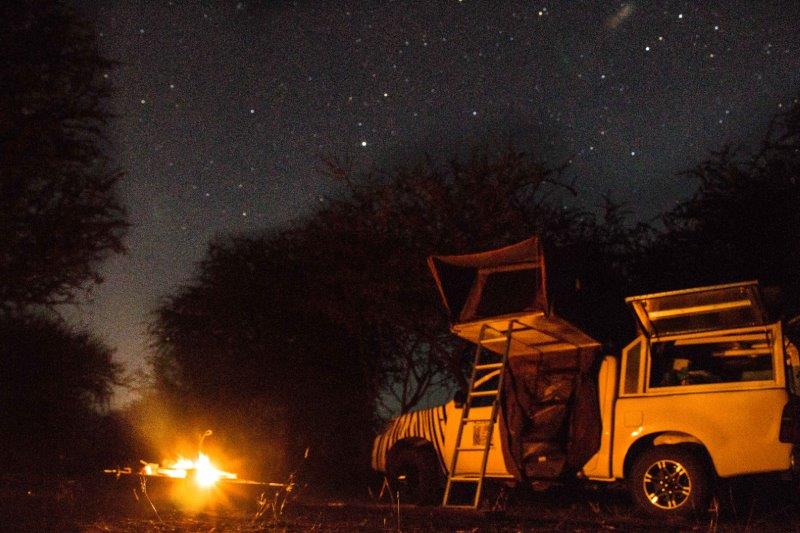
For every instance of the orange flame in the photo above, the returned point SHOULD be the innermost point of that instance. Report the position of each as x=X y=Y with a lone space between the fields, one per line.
x=205 y=474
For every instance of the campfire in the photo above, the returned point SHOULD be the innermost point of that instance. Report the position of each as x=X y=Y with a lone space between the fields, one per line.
x=202 y=470
x=204 y=473
x=204 y=482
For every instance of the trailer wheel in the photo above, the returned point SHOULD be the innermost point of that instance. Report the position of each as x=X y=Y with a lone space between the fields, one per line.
x=413 y=470
x=670 y=481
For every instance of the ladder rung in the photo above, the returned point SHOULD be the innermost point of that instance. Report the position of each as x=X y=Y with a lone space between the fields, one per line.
x=464 y=478
x=489 y=366
x=475 y=394
x=470 y=448
x=468 y=420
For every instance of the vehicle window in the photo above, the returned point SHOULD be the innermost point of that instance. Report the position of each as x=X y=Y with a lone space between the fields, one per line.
x=632 y=369
x=700 y=309
x=711 y=360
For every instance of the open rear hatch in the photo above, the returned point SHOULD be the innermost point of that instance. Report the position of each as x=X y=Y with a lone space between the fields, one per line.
x=700 y=309
x=550 y=421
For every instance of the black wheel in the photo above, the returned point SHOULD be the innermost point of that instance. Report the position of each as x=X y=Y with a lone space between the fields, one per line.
x=670 y=482
x=413 y=470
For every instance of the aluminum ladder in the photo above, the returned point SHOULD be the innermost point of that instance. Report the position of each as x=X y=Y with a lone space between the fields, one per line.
x=469 y=487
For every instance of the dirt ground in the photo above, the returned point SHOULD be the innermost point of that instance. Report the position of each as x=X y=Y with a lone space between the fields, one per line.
x=747 y=504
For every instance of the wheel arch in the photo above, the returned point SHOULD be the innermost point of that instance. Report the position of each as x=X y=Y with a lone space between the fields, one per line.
x=413 y=442
x=665 y=438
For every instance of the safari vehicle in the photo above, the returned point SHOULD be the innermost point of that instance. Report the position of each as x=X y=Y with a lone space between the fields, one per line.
x=705 y=390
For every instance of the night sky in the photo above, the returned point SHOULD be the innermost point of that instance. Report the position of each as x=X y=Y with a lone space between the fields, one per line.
x=224 y=109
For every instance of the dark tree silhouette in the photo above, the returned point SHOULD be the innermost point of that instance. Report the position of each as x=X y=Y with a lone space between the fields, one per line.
x=743 y=221
x=242 y=350
x=290 y=339
x=54 y=384
x=59 y=216
x=392 y=221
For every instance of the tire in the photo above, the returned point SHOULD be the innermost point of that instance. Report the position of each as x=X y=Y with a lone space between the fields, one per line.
x=414 y=471
x=670 y=482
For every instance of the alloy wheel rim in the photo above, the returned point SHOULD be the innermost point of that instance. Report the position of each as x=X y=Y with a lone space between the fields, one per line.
x=667 y=484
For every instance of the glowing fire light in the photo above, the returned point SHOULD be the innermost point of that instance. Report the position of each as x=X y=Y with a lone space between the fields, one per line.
x=203 y=470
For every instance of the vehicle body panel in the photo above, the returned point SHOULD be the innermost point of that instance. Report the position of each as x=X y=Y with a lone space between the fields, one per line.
x=474 y=434
x=737 y=422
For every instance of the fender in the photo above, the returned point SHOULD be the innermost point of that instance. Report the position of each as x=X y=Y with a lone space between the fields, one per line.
x=676 y=437
x=425 y=424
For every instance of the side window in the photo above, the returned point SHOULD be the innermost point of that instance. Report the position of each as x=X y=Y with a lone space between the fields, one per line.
x=632 y=365
x=728 y=359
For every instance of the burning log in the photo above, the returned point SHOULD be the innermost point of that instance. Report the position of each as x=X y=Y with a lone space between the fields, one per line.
x=202 y=478
x=204 y=473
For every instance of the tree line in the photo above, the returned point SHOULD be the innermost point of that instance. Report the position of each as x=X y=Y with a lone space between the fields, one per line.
x=335 y=321
x=308 y=336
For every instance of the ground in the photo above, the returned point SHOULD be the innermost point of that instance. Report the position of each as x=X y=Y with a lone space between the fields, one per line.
x=753 y=503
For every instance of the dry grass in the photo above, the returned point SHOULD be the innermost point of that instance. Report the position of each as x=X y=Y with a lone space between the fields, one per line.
x=747 y=504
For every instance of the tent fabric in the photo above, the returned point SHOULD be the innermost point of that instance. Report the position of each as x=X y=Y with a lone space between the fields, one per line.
x=494 y=283
x=551 y=415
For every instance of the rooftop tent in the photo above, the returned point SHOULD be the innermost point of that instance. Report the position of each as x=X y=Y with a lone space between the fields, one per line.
x=550 y=421
x=497 y=286
x=499 y=282
x=700 y=309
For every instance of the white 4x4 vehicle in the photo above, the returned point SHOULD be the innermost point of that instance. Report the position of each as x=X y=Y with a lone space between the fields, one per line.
x=705 y=390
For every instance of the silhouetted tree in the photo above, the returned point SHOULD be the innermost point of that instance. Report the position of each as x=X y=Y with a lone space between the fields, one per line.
x=592 y=264
x=59 y=216
x=743 y=221
x=373 y=244
x=242 y=350
x=391 y=222
x=289 y=339
x=55 y=383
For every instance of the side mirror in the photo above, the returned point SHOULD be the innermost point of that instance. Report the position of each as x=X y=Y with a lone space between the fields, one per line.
x=460 y=397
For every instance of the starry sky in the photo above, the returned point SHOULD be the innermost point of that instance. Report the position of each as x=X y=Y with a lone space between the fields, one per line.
x=224 y=109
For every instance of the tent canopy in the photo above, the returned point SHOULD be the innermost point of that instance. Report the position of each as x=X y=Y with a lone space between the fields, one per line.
x=504 y=288
x=499 y=282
